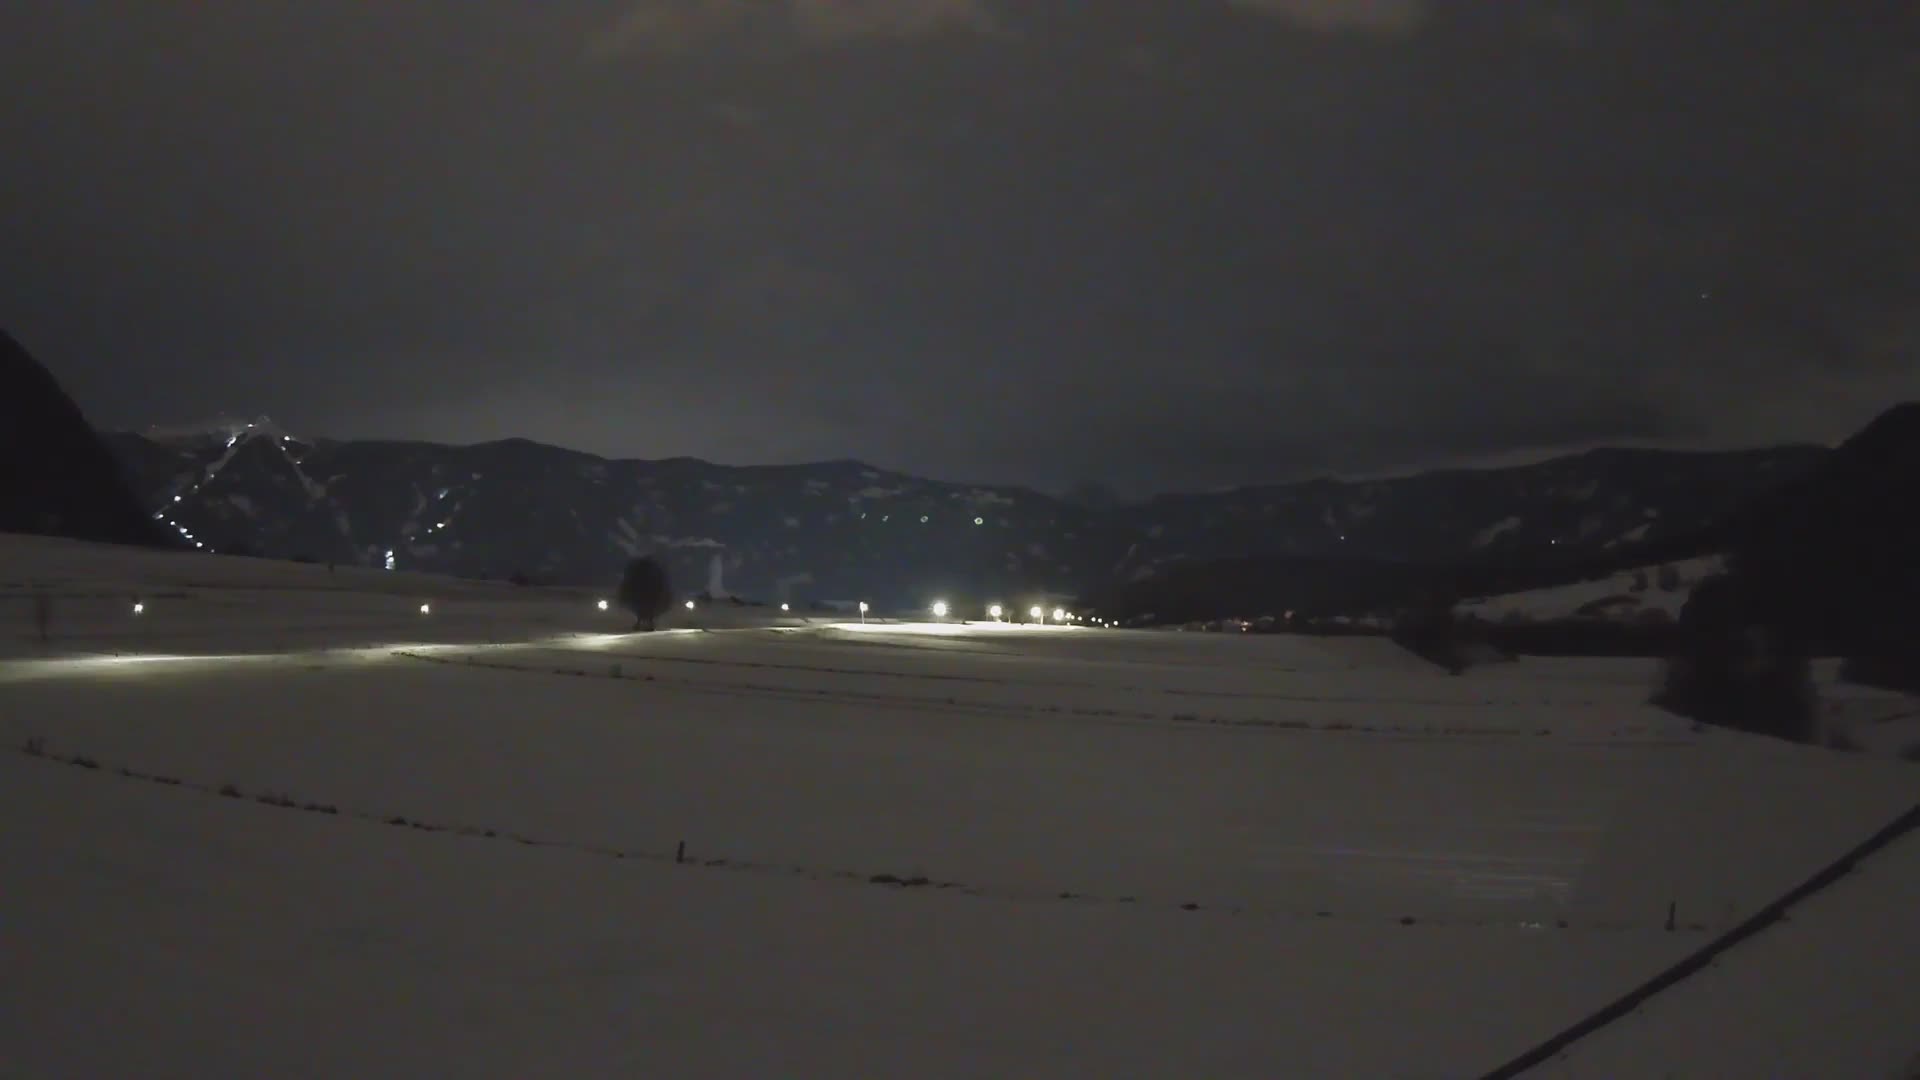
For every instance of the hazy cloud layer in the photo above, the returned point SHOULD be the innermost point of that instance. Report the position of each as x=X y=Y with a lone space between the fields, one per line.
x=1391 y=15
x=1154 y=242
x=675 y=26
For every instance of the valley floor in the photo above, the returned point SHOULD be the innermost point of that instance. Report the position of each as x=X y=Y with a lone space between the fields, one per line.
x=520 y=842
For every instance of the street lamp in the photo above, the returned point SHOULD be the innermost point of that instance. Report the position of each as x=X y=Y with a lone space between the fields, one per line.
x=939 y=609
x=863 y=611
x=426 y=609
x=1039 y=613
x=995 y=611
x=602 y=605
x=1059 y=615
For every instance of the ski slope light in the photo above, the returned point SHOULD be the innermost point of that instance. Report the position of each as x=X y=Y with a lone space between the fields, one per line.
x=1038 y=612
x=1059 y=615
x=426 y=609
x=996 y=611
x=602 y=605
x=939 y=609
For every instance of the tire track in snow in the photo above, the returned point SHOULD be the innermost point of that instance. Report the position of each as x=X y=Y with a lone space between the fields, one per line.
x=37 y=749
x=1635 y=736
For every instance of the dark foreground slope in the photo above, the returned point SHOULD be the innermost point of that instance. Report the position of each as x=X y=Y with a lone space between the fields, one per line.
x=1837 y=550
x=56 y=476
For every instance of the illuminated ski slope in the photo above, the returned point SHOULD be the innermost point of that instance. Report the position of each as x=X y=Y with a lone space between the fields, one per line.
x=941 y=849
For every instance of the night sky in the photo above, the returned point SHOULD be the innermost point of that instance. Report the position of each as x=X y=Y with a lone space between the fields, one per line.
x=1153 y=243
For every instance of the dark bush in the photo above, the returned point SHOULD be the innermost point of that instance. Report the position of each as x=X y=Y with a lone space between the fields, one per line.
x=645 y=592
x=1430 y=631
x=1739 y=663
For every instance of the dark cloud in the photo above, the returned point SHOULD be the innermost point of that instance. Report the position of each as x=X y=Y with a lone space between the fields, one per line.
x=1146 y=241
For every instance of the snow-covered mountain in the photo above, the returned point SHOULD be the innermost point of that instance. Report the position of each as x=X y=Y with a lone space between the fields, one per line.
x=838 y=530
x=1640 y=594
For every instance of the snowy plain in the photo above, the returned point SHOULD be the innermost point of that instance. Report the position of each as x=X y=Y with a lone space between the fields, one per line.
x=909 y=848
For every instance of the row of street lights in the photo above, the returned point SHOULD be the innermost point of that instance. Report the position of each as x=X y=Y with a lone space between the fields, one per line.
x=998 y=613
x=940 y=610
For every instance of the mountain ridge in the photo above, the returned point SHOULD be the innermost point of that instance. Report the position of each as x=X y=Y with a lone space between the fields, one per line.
x=843 y=528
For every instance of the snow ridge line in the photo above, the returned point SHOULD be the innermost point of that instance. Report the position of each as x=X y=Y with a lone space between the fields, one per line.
x=1225 y=695
x=37 y=748
x=1698 y=960
x=1197 y=720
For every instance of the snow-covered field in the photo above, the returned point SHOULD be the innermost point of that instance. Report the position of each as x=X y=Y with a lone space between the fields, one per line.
x=908 y=849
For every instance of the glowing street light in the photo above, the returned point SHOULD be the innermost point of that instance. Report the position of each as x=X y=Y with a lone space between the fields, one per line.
x=139 y=607
x=1039 y=613
x=996 y=611
x=939 y=609
x=1059 y=615
x=786 y=607
x=426 y=609
x=863 y=611
x=689 y=605
x=602 y=605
